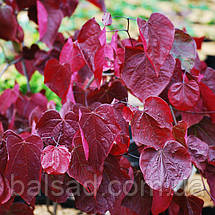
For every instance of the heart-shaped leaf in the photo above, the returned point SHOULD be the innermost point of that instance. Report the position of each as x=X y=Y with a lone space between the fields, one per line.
x=166 y=167
x=57 y=78
x=55 y=159
x=184 y=96
x=24 y=163
x=184 y=48
x=139 y=76
x=157 y=35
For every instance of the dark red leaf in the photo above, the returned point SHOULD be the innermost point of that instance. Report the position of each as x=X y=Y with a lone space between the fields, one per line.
x=52 y=128
x=139 y=76
x=198 y=151
x=8 y=24
x=128 y=113
x=184 y=48
x=107 y=92
x=205 y=131
x=88 y=39
x=139 y=199
x=49 y=20
x=161 y=201
x=7 y=98
x=211 y=155
x=188 y=205
x=199 y=41
x=82 y=170
x=113 y=183
x=3 y=156
x=120 y=145
x=159 y=110
x=122 y=210
x=22 y=4
x=184 y=96
x=5 y=207
x=68 y=6
x=23 y=164
x=147 y=131
x=99 y=62
x=100 y=128
x=157 y=35
x=210 y=175
x=57 y=78
x=179 y=132
x=5 y=190
x=55 y=159
x=209 y=78
x=152 y=127
x=208 y=99
x=166 y=167
x=173 y=209
x=191 y=118
x=99 y=3
x=70 y=54
x=124 y=126
x=83 y=139
x=56 y=187
x=26 y=104
x=18 y=208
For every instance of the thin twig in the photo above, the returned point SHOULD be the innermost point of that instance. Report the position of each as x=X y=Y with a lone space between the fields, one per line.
x=173 y=115
x=55 y=208
x=10 y=64
x=198 y=192
x=108 y=74
x=184 y=76
x=212 y=198
x=47 y=206
x=4 y=53
x=197 y=112
x=133 y=156
x=125 y=30
x=26 y=75
x=89 y=82
x=128 y=26
x=124 y=17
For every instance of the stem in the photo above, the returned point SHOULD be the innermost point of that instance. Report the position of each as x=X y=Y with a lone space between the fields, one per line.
x=89 y=82
x=26 y=75
x=197 y=112
x=212 y=198
x=124 y=17
x=5 y=56
x=55 y=208
x=128 y=25
x=10 y=64
x=133 y=156
x=117 y=30
x=47 y=206
x=184 y=76
x=108 y=74
x=173 y=115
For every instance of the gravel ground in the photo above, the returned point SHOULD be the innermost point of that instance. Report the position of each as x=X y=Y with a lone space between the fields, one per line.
x=42 y=210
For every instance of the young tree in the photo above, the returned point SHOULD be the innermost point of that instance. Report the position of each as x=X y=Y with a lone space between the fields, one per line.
x=84 y=149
